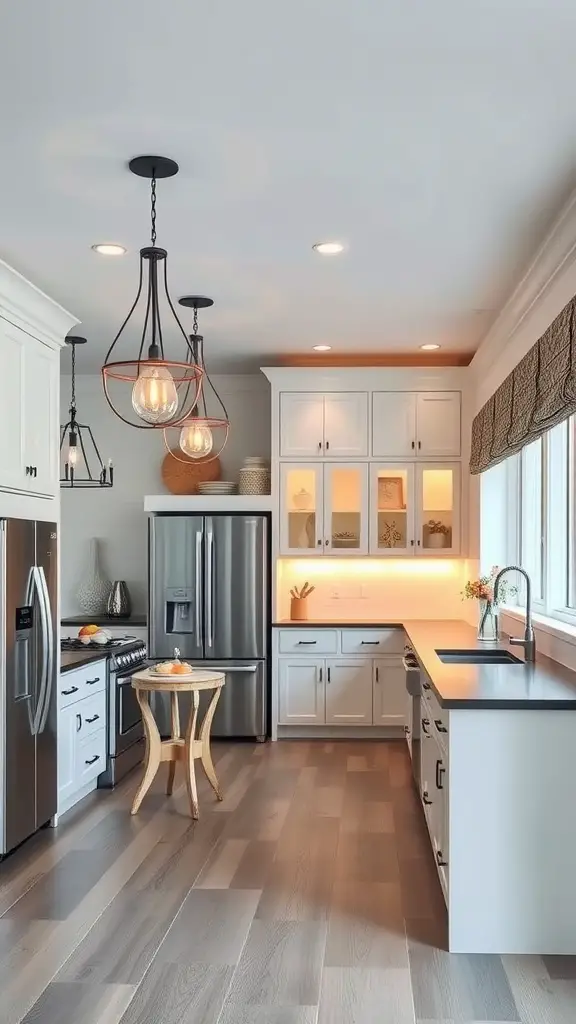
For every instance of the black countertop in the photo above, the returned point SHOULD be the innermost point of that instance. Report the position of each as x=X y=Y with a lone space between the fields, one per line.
x=75 y=659
x=545 y=685
x=136 y=619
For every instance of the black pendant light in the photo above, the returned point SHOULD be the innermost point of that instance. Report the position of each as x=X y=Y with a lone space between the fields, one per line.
x=202 y=437
x=152 y=390
x=77 y=444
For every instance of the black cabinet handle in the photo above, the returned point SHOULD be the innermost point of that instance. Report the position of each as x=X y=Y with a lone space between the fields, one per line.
x=319 y=542
x=306 y=643
x=377 y=674
x=370 y=643
x=327 y=445
x=440 y=860
x=79 y=722
x=35 y=470
x=319 y=446
x=27 y=470
x=439 y=726
x=93 y=719
x=419 y=444
x=425 y=722
x=92 y=760
x=413 y=444
x=320 y=674
x=425 y=686
x=90 y=682
x=425 y=799
x=439 y=773
x=328 y=675
x=412 y=543
x=68 y=693
x=406 y=729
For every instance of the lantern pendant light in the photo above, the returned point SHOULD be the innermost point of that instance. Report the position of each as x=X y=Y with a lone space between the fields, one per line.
x=163 y=390
x=77 y=440
x=201 y=437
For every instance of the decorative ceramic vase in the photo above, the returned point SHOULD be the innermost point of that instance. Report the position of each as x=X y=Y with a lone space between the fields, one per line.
x=436 y=540
x=93 y=590
x=254 y=477
x=302 y=500
x=119 y=604
x=488 y=622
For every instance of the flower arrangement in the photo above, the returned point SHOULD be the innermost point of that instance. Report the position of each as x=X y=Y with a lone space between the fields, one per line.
x=435 y=526
x=482 y=589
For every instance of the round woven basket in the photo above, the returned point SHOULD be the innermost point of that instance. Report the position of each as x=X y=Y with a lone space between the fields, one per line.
x=254 y=480
x=183 y=477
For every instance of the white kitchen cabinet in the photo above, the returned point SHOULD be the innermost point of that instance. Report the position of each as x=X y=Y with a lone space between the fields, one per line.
x=393 y=425
x=28 y=413
x=389 y=692
x=438 y=425
x=392 y=509
x=301 y=691
x=414 y=509
x=69 y=723
x=417 y=425
x=81 y=731
x=437 y=525
x=324 y=426
x=324 y=509
x=348 y=692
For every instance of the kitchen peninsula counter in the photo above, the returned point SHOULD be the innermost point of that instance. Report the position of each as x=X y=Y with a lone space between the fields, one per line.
x=76 y=659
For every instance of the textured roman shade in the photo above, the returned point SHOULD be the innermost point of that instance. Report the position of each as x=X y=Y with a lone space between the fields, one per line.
x=539 y=393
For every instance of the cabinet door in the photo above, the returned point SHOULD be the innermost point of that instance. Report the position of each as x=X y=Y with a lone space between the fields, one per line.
x=438 y=425
x=40 y=420
x=69 y=727
x=391 y=510
x=346 y=509
x=301 y=509
x=438 y=509
x=301 y=691
x=12 y=356
x=301 y=426
x=348 y=692
x=393 y=425
x=427 y=765
x=440 y=811
x=346 y=425
x=389 y=692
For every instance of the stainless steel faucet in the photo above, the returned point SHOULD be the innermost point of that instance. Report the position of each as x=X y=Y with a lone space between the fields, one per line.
x=529 y=641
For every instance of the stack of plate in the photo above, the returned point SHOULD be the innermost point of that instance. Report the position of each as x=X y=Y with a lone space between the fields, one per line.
x=216 y=487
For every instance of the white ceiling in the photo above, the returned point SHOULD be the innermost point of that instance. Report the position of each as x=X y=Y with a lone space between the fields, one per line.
x=436 y=139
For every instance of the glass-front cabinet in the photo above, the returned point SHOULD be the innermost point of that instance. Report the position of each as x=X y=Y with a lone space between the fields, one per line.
x=392 y=510
x=415 y=509
x=438 y=509
x=324 y=509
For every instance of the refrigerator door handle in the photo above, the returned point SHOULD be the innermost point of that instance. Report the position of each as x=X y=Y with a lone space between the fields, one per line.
x=247 y=669
x=209 y=593
x=37 y=585
x=198 y=595
x=49 y=649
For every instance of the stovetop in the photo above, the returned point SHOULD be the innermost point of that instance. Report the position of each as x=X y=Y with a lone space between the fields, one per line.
x=122 y=651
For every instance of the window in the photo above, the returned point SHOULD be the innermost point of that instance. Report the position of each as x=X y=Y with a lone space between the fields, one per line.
x=533 y=521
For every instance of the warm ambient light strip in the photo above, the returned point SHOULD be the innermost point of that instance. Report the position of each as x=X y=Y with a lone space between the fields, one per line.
x=371 y=567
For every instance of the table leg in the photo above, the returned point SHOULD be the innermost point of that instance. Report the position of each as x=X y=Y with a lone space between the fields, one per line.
x=206 y=755
x=189 y=756
x=175 y=720
x=153 y=748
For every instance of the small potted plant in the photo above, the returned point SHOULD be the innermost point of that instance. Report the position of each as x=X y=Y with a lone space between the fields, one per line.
x=438 y=534
x=482 y=590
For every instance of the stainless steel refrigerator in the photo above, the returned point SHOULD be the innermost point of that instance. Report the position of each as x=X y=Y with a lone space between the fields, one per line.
x=28 y=673
x=209 y=596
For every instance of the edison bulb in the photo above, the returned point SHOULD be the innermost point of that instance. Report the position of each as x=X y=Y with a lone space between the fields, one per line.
x=154 y=395
x=196 y=439
x=73 y=455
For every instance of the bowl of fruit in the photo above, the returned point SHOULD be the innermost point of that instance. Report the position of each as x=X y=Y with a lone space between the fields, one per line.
x=172 y=669
x=94 y=635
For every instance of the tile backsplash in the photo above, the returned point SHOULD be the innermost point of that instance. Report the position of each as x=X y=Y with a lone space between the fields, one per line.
x=355 y=588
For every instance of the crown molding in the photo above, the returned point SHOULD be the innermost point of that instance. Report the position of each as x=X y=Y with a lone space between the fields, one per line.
x=29 y=308
x=552 y=269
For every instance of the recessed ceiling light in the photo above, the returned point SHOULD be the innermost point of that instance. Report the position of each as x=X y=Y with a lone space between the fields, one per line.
x=109 y=249
x=328 y=248
x=429 y=348
x=322 y=348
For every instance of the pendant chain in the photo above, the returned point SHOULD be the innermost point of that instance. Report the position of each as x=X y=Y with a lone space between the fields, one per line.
x=153 y=211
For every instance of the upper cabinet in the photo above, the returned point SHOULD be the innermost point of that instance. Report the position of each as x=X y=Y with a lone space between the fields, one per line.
x=325 y=426
x=416 y=425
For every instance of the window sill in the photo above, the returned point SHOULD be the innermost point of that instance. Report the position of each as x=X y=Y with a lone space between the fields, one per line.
x=555 y=627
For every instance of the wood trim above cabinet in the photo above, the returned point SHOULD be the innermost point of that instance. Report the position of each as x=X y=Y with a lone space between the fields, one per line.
x=400 y=359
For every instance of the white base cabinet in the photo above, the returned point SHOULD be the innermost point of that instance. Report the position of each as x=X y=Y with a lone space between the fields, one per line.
x=389 y=690
x=301 y=692
x=348 y=692
x=82 y=738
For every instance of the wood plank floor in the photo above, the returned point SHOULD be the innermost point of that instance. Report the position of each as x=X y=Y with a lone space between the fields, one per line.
x=308 y=896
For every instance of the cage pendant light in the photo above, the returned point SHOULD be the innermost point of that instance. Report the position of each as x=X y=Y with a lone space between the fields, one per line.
x=77 y=444
x=153 y=389
x=201 y=437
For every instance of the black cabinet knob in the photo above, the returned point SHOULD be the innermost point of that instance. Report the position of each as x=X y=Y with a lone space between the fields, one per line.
x=425 y=799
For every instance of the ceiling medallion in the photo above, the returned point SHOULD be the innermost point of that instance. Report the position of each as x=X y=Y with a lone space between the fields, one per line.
x=77 y=441
x=202 y=437
x=164 y=390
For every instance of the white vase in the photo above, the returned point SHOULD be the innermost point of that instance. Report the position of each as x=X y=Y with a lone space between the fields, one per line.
x=94 y=588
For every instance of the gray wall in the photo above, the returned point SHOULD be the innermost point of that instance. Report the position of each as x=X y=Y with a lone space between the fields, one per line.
x=116 y=516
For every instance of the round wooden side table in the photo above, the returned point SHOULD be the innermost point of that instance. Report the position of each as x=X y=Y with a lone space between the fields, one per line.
x=185 y=749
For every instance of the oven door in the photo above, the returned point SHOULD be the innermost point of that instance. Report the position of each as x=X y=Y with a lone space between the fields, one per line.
x=128 y=726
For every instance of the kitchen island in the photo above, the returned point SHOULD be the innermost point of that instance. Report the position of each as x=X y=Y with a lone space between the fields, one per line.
x=495 y=766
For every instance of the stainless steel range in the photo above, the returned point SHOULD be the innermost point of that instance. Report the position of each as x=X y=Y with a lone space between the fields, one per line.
x=126 y=655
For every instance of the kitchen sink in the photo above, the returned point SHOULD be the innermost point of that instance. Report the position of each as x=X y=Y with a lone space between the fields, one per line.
x=477 y=657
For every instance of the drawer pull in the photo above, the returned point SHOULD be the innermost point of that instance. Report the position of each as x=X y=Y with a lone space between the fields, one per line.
x=439 y=773
x=90 y=682
x=440 y=860
x=306 y=643
x=425 y=686
x=92 y=760
x=68 y=693
x=93 y=719
x=425 y=723
x=439 y=726
x=78 y=723
x=425 y=798
x=370 y=643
